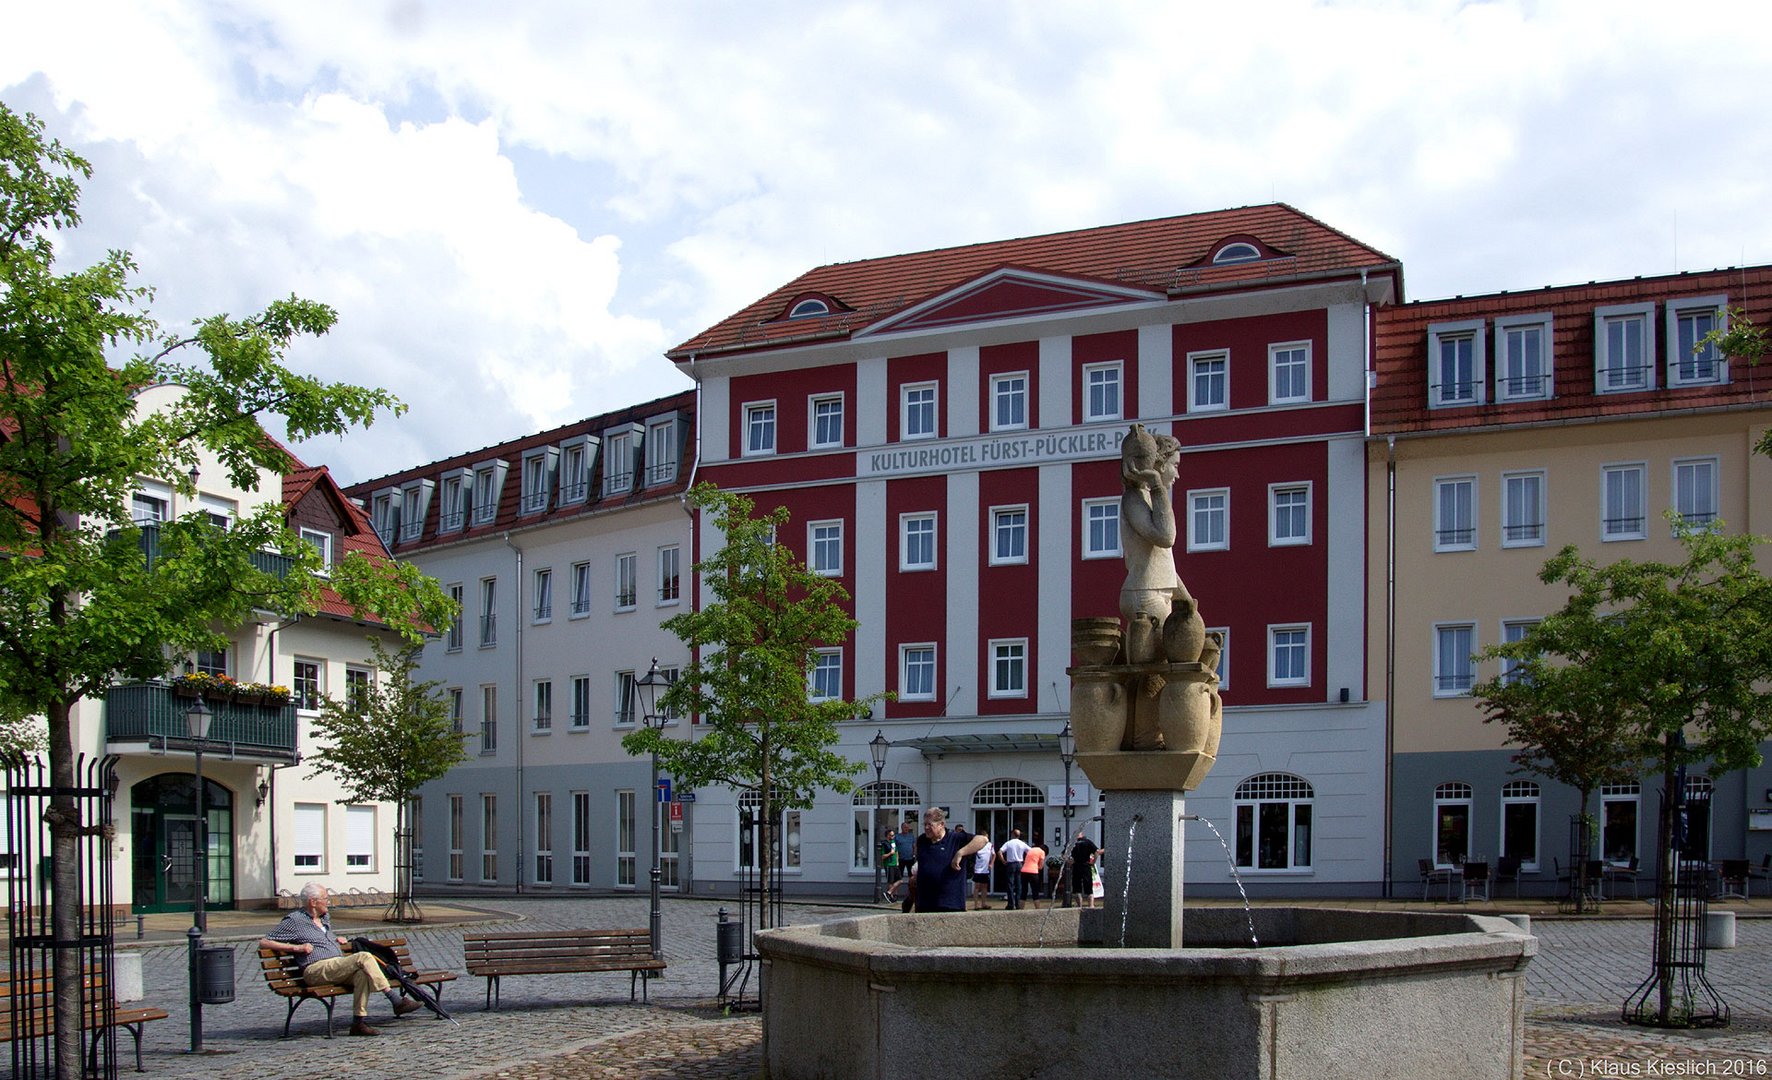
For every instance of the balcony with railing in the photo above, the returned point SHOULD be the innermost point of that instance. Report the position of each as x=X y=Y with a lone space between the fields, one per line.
x=268 y=561
x=153 y=715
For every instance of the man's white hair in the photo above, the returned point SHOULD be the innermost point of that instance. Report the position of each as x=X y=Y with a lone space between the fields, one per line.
x=312 y=891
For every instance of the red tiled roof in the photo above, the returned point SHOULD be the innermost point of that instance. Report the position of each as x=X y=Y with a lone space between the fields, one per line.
x=304 y=482
x=1166 y=254
x=1400 y=396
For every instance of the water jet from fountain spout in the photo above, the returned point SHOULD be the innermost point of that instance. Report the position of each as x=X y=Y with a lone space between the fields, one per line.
x=1248 y=915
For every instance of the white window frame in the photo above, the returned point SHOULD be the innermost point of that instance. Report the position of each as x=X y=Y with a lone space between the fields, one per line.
x=1274 y=517
x=908 y=408
x=1632 y=379
x=306 y=701
x=581 y=590
x=1697 y=516
x=1274 y=679
x=905 y=521
x=1509 y=387
x=579 y=718
x=1195 y=362
x=322 y=543
x=1296 y=356
x=1453 y=674
x=489 y=718
x=759 y=428
x=1528 y=533
x=670 y=575
x=1195 y=542
x=152 y=504
x=1012 y=652
x=1451 y=535
x=581 y=838
x=1521 y=793
x=488 y=836
x=457 y=836
x=627 y=819
x=1286 y=789
x=905 y=693
x=1679 y=359
x=1513 y=630
x=618 y=463
x=488 y=486
x=574 y=473
x=1104 y=513
x=541 y=595
x=813 y=404
x=662 y=458
x=824 y=547
x=1460 y=394
x=359 y=839
x=627 y=570
x=1009 y=390
x=458 y=488
x=488 y=613
x=308 y=838
x=1453 y=794
x=1622 y=793
x=536 y=483
x=542 y=718
x=1107 y=377
x=627 y=702
x=543 y=808
x=1613 y=526
x=1003 y=528
x=826 y=664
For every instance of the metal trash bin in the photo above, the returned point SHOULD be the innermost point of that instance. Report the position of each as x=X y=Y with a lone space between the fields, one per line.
x=729 y=942
x=215 y=974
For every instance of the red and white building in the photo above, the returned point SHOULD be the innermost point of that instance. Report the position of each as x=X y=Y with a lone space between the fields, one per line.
x=944 y=428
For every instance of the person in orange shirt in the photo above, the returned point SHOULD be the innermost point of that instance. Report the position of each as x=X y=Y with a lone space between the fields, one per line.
x=1033 y=871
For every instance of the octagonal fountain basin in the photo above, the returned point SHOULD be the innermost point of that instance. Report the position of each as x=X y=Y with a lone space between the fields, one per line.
x=1330 y=993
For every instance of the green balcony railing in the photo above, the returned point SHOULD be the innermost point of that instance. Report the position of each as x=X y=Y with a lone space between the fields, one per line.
x=153 y=713
x=268 y=561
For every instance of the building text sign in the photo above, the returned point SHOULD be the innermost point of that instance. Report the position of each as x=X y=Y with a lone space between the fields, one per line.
x=990 y=452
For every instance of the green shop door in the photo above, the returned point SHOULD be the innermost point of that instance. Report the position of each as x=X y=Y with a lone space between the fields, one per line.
x=164 y=834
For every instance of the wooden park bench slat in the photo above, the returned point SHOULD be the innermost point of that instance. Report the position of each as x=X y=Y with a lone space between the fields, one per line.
x=40 y=1013
x=284 y=978
x=558 y=952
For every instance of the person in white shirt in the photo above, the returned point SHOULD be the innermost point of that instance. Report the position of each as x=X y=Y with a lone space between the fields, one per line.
x=1010 y=855
x=981 y=875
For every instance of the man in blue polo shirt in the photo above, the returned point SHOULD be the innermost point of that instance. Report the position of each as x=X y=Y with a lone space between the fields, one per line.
x=307 y=934
x=936 y=878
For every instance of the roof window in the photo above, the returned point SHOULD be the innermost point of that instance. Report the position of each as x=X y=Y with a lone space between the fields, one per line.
x=809 y=308
x=1237 y=251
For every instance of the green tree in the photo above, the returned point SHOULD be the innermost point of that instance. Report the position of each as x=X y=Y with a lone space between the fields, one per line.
x=1739 y=338
x=752 y=649
x=383 y=745
x=81 y=602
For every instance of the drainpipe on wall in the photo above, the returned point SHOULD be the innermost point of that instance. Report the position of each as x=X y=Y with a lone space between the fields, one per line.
x=271 y=799
x=517 y=697
x=686 y=852
x=1390 y=646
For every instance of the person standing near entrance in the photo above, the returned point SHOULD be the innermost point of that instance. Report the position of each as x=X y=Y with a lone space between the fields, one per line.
x=1011 y=854
x=1083 y=870
x=936 y=879
x=1033 y=871
x=981 y=875
x=307 y=934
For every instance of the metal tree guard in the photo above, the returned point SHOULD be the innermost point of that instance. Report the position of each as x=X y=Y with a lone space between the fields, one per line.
x=1677 y=993
x=404 y=908
x=33 y=945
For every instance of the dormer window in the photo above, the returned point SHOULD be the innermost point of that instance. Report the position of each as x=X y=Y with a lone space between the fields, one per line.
x=808 y=305
x=807 y=309
x=1237 y=251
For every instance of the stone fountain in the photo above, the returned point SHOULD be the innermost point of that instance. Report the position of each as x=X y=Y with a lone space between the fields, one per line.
x=1127 y=991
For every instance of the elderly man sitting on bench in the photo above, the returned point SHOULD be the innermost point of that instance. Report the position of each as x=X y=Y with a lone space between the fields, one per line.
x=307 y=934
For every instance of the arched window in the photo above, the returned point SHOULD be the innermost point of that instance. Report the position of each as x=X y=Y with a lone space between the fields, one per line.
x=1519 y=822
x=787 y=833
x=869 y=828
x=1007 y=793
x=1274 y=822
x=1236 y=252
x=1452 y=824
x=809 y=308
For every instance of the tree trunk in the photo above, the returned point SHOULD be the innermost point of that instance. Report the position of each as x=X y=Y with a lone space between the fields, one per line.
x=64 y=896
x=766 y=854
x=1665 y=868
x=1583 y=854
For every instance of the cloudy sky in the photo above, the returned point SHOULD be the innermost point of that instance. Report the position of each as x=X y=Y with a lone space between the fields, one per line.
x=517 y=207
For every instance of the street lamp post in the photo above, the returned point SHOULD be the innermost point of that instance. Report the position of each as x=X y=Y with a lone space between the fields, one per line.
x=877 y=748
x=648 y=686
x=1067 y=753
x=197 y=719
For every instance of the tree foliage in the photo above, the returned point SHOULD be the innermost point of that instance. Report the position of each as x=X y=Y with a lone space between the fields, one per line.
x=385 y=744
x=752 y=650
x=1739 y=338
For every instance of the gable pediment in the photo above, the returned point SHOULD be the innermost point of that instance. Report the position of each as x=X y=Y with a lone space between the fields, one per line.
x=1009 y=293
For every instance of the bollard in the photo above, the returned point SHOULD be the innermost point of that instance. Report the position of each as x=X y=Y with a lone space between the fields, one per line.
x=1719 y=929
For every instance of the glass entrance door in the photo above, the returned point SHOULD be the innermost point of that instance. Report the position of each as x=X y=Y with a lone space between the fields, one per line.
x=997 y=822
x=164 y=834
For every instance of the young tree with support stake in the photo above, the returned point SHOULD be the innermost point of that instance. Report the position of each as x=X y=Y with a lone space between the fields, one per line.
x=385 y=745
x=752 y=649
x=80 y=605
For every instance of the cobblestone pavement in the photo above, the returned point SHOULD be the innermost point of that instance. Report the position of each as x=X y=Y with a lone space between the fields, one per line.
x=583 y=1026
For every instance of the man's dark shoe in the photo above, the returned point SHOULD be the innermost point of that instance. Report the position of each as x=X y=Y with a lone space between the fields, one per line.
x=361 y=1027
x=404 y=1006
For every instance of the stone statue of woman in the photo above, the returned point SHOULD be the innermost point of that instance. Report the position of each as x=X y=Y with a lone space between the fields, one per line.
x=1160 y=614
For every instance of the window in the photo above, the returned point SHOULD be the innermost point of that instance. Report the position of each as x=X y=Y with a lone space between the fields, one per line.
x=544 y=705
x=455 y=699
x=538 y=475
x=1519 y=823
x=1009 y=401
x=669 y=675
x=1289 y=656
x=1289 y=373
x=1455 y=364
x=543 y=590
x=827 y=421
x=626 y=585
x=1618 y=822
x=1455 y=513
x=1698 y=818
x=452 y=636
x=581 y=703
x=321 y=541
x=661 y=450
x=1009 y=668
x=877 y=810
x=1452 y=825
x=217 y=511
x=1522 y=509
x=212 y=661
x=1101 y=392
x=759 y=428
x=151 y=505
x=1274 y=822
x=359 y=838
x=488 y=837
x=415 y=503
x=416 y=826
x=916 y=680
x=826 y=680
x=357 y=683
x=488 y=612
x=618 y=462
x=575 y=471
x=544 y=838
x=581 y=836
x=488 y=719
x=1238 y=251
x=1289 y=514
x=1101 y=528
x=488 y=479
x=1009 y=534
x=1523 y=357
x=1689 y=362
x=1512 y=631
x=626 y=831
x=1453 y=645
x=1695 y=491
x=309 y=840
x=1208 y=381
x=919 y=420
x=308 y=687
x=670 y=581
x=1209 y=520
x=384 y=514
x=624 y=698
x=787 y=833
x=456 y=837
x=453 y=514
x=581 y=589
x=1624 y=349
x=824 y=546
x=1622 y=516
x=916 y=549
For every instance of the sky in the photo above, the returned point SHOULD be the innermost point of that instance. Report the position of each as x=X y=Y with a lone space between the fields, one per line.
x=517 y=208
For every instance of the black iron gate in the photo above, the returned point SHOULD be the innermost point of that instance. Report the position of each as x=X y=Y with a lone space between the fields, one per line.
x=33 y=945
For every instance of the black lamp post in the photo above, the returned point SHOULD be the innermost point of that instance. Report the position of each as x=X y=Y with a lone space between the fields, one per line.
x=877 y=748
x=197 y=719
x=648 y=685
x=1067 y=753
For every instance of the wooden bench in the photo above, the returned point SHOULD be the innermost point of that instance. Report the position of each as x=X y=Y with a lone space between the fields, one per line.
x=560 y=951
x=102 y=1011
x=284 y=978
